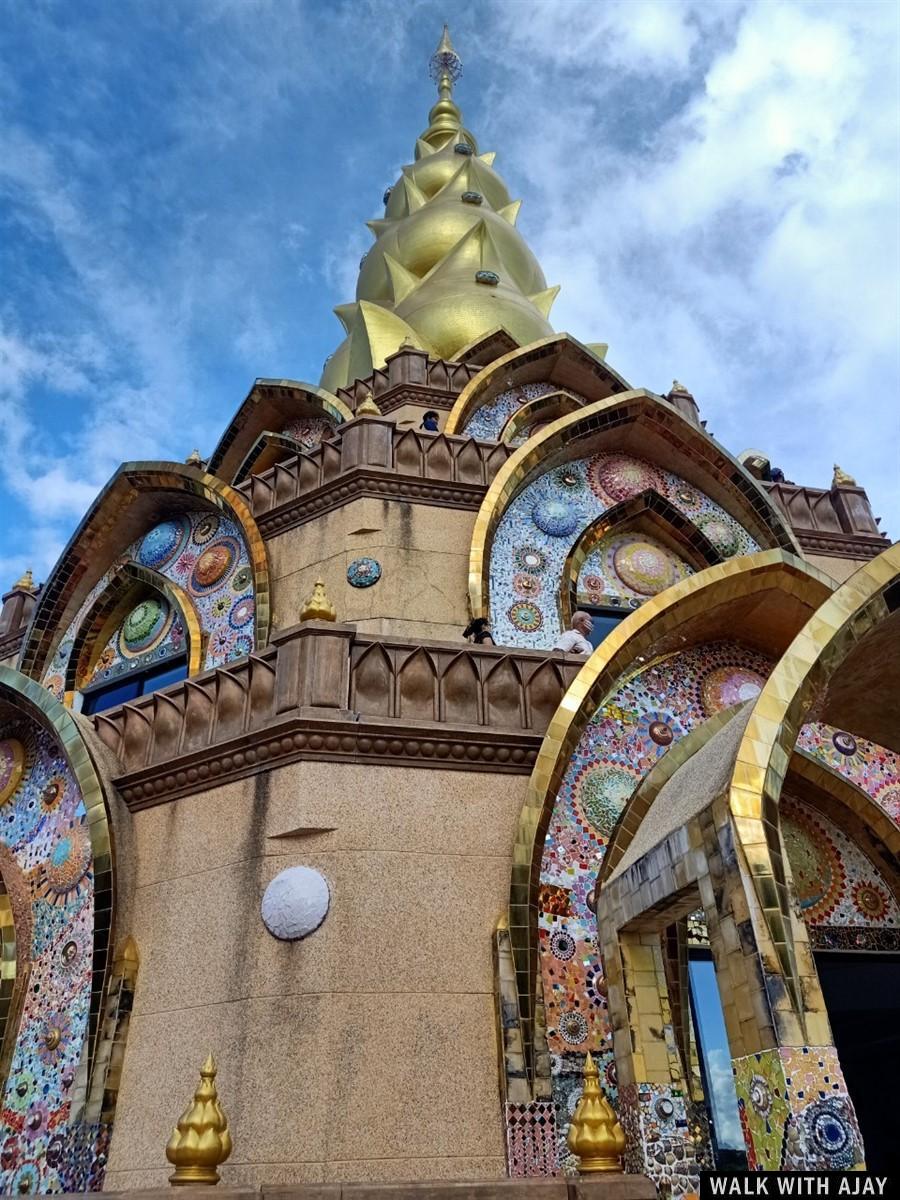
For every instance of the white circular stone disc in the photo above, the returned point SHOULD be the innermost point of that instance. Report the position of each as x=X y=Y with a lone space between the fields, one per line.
x=295 y=903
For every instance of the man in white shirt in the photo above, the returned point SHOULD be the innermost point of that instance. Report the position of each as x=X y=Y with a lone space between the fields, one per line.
x=575 y=640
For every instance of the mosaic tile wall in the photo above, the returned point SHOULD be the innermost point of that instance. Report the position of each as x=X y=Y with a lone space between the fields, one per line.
x=543 y=523
x=622 y=742
x=871 y=767
x=149 y=634
x=834 y=881
x=205 y=554
x=487 y=423
x=309 y=431
x=795 y=1112
x=44 y=826
x=626 y=567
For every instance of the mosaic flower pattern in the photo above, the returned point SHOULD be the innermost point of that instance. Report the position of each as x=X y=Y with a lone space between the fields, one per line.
x=834 y=881
x=43 y=823
x=309 y=431
x=548 y=517
x=204 y=553
x=871 y=767
x=487 y=423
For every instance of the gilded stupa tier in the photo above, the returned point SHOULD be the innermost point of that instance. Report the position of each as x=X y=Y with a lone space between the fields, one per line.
x=448 y=265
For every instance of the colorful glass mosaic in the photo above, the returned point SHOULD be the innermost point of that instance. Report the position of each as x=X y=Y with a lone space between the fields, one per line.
x=834 y=881
x=204 y=553
x=871 y=767
x=547 y=519
x=628 y=567
x=487 y=423
x=530 y=1139
x=44 y=827
x=623 y=740
x=309 y=431
x=363 y=572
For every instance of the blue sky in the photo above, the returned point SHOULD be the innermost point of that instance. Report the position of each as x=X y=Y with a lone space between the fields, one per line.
x=184 y=186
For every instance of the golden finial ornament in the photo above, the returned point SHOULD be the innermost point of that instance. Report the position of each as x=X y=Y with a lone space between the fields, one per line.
x=595 y=1134
x=194 y=459
x=318 y=607
x=842 y=479
x=679 y=388
x=368 y=408
x=25 y=584
x=200 y=1142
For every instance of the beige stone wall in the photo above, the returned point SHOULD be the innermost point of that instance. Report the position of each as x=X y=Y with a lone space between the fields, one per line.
x=367 y=1051
x=424 y=555
x=839 y=569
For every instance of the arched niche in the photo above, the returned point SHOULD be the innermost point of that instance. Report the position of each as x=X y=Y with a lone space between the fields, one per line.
x=278 y=417
x=57 y=865
x=103 y=651
x=179 y=522
x=557 y=363
x=533 y=415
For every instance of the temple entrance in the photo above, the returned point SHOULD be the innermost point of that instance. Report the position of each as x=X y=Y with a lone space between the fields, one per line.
x=862 y=994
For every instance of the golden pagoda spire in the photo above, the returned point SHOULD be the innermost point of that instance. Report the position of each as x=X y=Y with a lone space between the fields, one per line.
x=200 y=1142
x=448 y=264
x=318 y=607
x=595 y=1134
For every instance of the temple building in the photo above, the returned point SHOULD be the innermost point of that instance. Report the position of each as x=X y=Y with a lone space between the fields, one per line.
x=261 y=798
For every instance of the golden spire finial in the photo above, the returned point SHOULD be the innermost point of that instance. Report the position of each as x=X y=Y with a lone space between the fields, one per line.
x=25 y=584
x=595 y=1134
x=842 y=479
x=194 y=459
x=445 y=119
x=368 y=407
x=200 y=1141
x=679 y=387
x=318 y=607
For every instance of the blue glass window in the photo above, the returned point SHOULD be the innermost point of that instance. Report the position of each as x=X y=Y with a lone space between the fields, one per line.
x=138 y=683
x=605 y=620
x=715 y=1059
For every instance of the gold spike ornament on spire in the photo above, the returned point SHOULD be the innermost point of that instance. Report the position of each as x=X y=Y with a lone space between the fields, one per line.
x=448 y=264
x=595 y=1134
x=200 y=1142
x=318 y=607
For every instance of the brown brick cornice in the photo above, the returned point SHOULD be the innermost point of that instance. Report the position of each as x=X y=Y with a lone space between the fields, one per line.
x=321 y=691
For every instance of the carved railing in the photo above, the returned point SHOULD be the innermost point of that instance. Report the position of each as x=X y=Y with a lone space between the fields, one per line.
x=323 y=691
x=410 y=376
x=838 y=521
x=372 y=456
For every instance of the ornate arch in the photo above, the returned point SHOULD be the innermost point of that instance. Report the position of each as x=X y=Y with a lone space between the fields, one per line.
x=733 y=598
x=638 y=423
x=111 y=606
x=559 y=358
x=138 y=496
x=859 y=625
x=543 y=410
x=261 y=419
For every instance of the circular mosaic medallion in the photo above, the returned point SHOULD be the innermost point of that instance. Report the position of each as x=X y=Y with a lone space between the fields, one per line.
x=214 y=565
x=526 y=617
x=526 y=585
x=242 y=579
x=601 y=794
x=145 y=627
x=870 y=901
x=240 y=646
x=664 y=1108
x=26 y=1180
x=562 y=945
x=722 y=535
x=661 y=733
x=69 y=862
x=723 y=687
x=595 y=985
x=844 y=743
x=529 y=558
x=889 y=799
x=363 y=572
x=206 y=529
x=164 y=543
x=555 y=518
x=828 y=1128
x=52 y=792
x=573 y=1028
x=760 y=1095
x=12 y=766
x=645 y=568
x=242 y=612
x=816 y=865
x=568 y=478
x=687 y=498
x=619 y=476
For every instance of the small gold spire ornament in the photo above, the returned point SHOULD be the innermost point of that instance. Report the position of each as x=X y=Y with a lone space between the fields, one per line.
x=25 y=584
x=194 y=459
x=368 y=408
x=318 y=607
x=595 y=1134
x=200 y=1142
x=842 y=479
x=679 y=388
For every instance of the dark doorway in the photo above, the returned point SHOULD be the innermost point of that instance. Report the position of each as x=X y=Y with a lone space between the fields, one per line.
x=862 y=994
